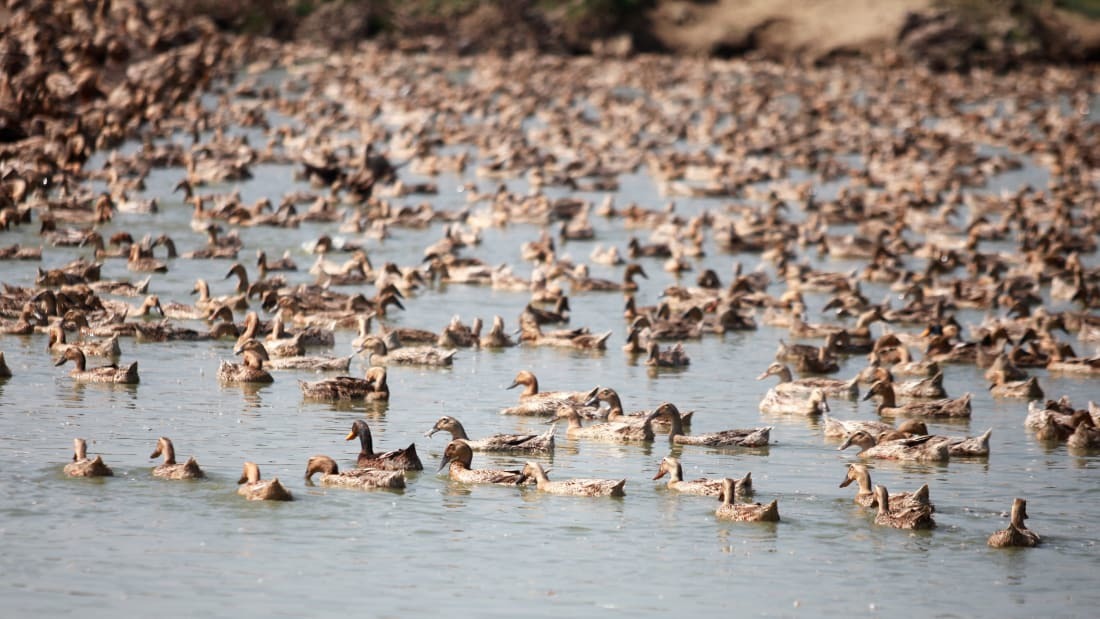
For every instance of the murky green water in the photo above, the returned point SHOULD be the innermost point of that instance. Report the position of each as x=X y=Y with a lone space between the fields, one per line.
x=132 y=543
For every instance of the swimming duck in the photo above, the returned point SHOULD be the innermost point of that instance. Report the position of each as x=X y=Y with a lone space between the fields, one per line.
x=127 y=375
x=1085 y=436
x=574 y=487
x=537 y=443
x=841 y=428
x=674 y=357
x=865 y=494
x=911 y=516
x=615 y=412
x=320 y=363
x=497 y=338
x=888 y=406
x=81 y=466
x=705 y=487
x=581 y=282
x=378 y=354
x=253 y=489
x=805 y=386
x=918 y=449
x=459 y=456
x=396 y=460
x=922 y=388
x=614 y=431
x=752 y=437
x=906 y=366
x=357 y=478
x=1017 y=534
x=250 y=369
x=169 y=469
x=1028 y=389
x=971 y=446
x=535 y=402
x=744 y=512
x=372 y=387
x=580 y=338
x=777 y=402
x=105 y=348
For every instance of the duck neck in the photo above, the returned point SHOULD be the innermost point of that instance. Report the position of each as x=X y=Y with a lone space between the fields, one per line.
x=614 y=407
x=539 y=474
x=883 y=502
x=675 y=474
x=1018 y=514
x=366 y=443
x=888 y=399
x=676 y=423
x=784 y=374
x=864 y=480
x=79 y=361
x=531 y=387
x=458 y=432
x=169 y=452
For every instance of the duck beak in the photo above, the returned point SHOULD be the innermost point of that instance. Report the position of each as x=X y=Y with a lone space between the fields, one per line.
x=762 y=376
x=61 y=362
x=867 y=396
x=351 y=435
x=513 y=385
x=431 y=432
x=592 y=401
x=845 y=483
x=845 y=445
x=443 y=464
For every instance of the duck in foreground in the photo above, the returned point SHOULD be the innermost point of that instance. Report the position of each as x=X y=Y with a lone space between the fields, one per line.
x=361 y=479
x=169 y=469
x=925 y=448
x=254 y=489
x=460 y=457
x=750 y=437
x=744 y=512
x=396 y=460
x=126 y=375
x=865 y=495
x=911 y=516
x=250 y=369
x=531 y=443
x=1017 y=534
x=574 y=487
x=705 y=487
x=81 y=466
x=794 y=403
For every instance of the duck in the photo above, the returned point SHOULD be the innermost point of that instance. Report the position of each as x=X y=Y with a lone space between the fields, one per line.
x=528 y=443
x=542 y=403
x=169 y=469
x=459 y=456
x=928 y=388
x=865 y=494
x=615 y=412
x=372 y=386
x=1085 y=435
x=924 y=448
x=573 y=487
x=906 y=366
x=804 y=386
x=580 y=338
x=612 y=431
x=911 y=516
x=1027 y=389
x=5 y=371
x=1017 y=535
x=81 y=466
x=841 y=428
x=318 y=363
x=744 y=512
x=361 y=479
x=379 y=354
x=971 y=446
x=777 y=402
x=396 y=460
x=752 y=437
x=126 y=375
x=249 y=370
x=888 y=406
x=674 y=357
x=497 y=338
x=253 y=489
x=108 y=348
x=581 y=282
x=706 y=487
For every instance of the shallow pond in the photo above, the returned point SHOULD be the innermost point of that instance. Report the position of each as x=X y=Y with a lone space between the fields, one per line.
x=106 y=547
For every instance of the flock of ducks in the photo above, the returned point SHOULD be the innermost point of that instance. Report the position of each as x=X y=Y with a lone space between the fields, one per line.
x=910 y=218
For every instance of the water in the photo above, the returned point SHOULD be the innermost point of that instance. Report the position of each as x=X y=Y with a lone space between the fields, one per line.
x=110 y=546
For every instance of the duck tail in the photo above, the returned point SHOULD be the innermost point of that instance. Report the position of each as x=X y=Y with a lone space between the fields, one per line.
x=771 y=512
